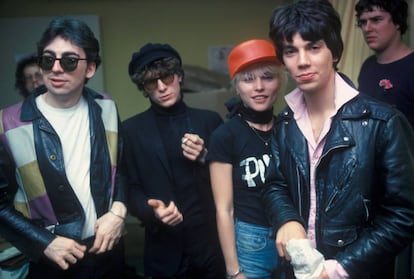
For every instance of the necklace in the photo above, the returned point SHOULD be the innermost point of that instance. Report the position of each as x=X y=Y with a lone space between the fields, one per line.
x=257 y=133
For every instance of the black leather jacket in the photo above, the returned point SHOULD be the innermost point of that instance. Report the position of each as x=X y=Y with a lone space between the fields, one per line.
x=30 y=236
x=364 y=183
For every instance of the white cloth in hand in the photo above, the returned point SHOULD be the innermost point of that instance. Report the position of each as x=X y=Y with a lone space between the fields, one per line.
x=307 y=262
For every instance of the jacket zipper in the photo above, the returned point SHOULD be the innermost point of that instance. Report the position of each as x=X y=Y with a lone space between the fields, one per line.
x=316 y=167
x=299 y=193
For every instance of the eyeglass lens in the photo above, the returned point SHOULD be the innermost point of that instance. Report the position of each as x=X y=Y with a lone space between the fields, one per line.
x=152 y=83
x=67 y=63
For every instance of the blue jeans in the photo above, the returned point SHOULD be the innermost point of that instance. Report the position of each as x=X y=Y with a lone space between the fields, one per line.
x=256 y=250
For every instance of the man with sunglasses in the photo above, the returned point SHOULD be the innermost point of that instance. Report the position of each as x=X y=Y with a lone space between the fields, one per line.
x=169 y=189
x=69 y=201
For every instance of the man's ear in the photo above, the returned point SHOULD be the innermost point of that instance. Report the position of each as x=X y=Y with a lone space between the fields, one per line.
x=90 y=70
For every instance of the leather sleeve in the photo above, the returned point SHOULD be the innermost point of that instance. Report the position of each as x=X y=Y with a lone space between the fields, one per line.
x=276 y=195
x=29 y=238
x=392 y=227
x=120 y=191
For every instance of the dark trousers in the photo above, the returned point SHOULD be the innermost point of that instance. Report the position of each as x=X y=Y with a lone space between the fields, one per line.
x=202 y=258
x=109 y=265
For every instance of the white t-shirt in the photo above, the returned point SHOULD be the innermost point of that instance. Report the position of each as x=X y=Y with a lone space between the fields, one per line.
x=72 y=126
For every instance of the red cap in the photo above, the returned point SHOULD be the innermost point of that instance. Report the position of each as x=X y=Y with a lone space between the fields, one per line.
x=249 y=52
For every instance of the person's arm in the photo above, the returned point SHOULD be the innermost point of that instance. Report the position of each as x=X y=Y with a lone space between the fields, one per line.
x=194 y=144
x=289 y=230
x=109 y=227
x=8 y=184
x=167 y=214
x=193 y=147
x=333 y=270
x=392 y=225
x=137 y=198
x=64 y=251
x=222 y=185
x=121 y=185
x=32 y=240
x=276 y=198
x=118 y=207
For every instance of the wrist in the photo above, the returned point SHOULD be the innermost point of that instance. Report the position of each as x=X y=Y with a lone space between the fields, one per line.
x=117 y=215
x=234 y=274
x=118 y=209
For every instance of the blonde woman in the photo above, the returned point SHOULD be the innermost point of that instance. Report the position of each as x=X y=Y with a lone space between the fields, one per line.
x=239 y=156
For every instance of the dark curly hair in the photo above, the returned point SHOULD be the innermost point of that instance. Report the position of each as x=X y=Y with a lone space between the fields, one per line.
x=313 y=19
x=161 y=66
x=20 y=83
x=398 y=9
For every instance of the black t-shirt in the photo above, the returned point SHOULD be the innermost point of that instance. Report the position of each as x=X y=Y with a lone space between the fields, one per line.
x=392 y=83
x=236 y=143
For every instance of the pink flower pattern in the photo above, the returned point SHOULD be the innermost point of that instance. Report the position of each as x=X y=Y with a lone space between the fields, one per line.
x=385 y=84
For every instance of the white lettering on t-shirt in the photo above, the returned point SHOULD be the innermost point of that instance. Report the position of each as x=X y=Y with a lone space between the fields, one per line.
x=254 y=167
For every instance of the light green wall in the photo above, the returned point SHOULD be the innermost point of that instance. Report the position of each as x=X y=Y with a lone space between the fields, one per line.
x=189 y=25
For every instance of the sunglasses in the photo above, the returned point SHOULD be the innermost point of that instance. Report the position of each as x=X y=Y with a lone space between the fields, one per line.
x=152 y=83
x=67 y=63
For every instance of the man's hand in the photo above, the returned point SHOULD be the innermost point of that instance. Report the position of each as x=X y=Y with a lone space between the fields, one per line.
x=168 y=215
x=288 y=231
x=64 y=251
x=109 y=228
x=193 y=147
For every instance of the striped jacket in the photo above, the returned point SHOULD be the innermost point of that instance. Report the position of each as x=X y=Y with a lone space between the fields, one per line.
x=44 y=195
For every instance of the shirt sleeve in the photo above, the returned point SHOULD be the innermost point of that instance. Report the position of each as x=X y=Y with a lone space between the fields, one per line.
x=220 y=146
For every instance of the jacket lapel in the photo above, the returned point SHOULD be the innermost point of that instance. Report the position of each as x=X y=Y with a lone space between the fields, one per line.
x=153 y=138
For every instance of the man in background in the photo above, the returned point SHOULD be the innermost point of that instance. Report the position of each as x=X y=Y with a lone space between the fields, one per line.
x=388 y=74
x=28 y=75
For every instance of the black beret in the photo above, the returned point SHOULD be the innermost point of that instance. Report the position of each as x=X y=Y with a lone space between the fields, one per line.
x=148 y=54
